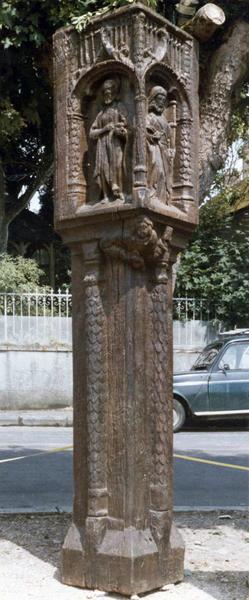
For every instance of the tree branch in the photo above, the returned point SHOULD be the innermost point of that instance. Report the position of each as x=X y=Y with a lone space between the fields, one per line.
x=205 y=22
x=42 y=176
x=228 y=70
x=2 y=190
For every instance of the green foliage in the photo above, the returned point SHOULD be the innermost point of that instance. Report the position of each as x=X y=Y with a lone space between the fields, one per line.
x=31 y=22
x=26 y=126
x=26 y=107
x=81 y=22
x=215 y=265
x=26 y=102
x=11 y=122
x=19 y=274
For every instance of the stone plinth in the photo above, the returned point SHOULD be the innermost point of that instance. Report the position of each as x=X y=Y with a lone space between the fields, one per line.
x=126 y=131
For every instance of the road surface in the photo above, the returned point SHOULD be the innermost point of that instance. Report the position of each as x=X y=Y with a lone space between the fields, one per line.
x=211 y=469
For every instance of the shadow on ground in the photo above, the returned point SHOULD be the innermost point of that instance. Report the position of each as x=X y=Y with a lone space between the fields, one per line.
x=43 y=535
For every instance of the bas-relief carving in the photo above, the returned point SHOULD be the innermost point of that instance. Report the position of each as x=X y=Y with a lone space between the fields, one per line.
x=109 y=131
x=143 y=246
x=160 y=151
x=120 y=53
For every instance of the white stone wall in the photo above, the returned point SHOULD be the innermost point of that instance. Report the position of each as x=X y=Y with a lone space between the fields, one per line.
x=189 y=338
x=35 y=379
x=42 y=331
x=36 y=359
x=184 y=359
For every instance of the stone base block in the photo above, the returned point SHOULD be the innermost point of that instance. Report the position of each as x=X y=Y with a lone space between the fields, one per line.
x=128 y=561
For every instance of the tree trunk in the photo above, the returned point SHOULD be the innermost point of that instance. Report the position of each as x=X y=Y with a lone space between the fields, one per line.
x=10 y=208
x=4 y=225
x=4 y=228
x=223 y=75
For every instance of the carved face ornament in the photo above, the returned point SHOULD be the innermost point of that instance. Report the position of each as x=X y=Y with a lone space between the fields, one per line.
x=144 y=228
x=157 y=99
x=109 y=90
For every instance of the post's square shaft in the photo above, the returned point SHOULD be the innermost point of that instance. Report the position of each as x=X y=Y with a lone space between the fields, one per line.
x=126 y=114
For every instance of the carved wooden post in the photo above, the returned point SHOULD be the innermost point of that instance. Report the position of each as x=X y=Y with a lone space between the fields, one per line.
x=126 y=205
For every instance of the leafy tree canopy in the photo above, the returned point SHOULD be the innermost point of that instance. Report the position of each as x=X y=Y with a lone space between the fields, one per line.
x=19 y=274
x=26 y=125
x=26 y=128
x=215 y=265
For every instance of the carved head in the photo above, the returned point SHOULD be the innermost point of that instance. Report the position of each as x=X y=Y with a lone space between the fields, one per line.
x=144 y=227
x=157 y=99
x=110 y=90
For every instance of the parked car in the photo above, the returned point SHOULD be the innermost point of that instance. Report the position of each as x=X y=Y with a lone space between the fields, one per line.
x=217 y=385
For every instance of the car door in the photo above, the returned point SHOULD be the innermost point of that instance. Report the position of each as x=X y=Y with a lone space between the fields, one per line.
x=228 y=386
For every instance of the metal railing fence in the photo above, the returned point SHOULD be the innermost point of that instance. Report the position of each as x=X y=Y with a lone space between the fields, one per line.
x=37 y=304
x=50 y=304
x=193 y=309
x=194 y=323
x=39 y=317
x=44 y=317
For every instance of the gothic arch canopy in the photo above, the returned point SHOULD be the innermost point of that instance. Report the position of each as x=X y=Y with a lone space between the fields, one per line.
x=140 y=50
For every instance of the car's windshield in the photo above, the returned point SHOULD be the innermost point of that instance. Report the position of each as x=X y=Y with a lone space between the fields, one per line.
x=206 y=357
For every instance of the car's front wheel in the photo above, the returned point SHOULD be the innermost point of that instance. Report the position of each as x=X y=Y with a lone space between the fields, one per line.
x=179 y=415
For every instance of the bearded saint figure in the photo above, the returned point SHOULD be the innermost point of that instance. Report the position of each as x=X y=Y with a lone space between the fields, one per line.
x=109 y=131
x=160 y=154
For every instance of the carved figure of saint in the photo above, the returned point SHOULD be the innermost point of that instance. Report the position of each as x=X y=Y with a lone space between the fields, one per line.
x=160 y=153
x=109 y=131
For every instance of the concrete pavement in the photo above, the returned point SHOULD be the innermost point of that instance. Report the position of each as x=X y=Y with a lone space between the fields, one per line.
x=216 y=561
x=61 y=417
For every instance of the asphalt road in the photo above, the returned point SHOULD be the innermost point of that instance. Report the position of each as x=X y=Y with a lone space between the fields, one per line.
x=211 y=469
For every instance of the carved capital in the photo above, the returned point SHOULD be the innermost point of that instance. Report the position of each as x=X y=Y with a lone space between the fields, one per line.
x=143 y=247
